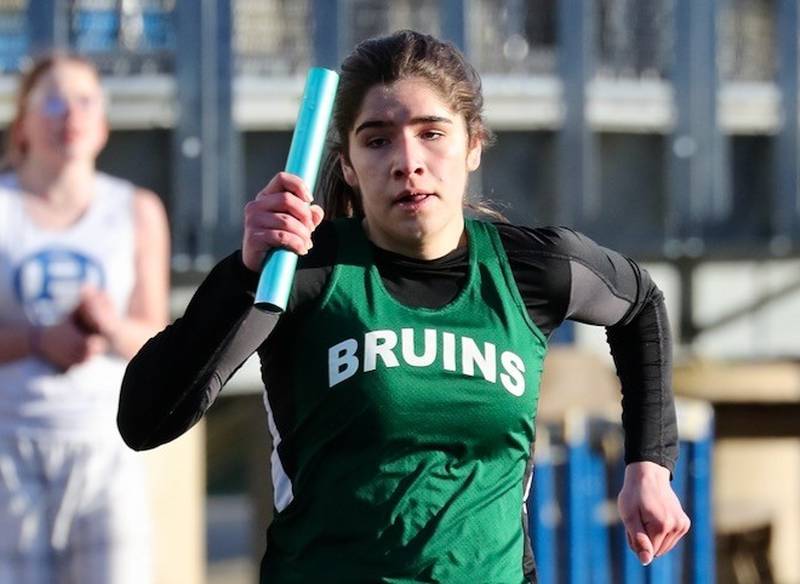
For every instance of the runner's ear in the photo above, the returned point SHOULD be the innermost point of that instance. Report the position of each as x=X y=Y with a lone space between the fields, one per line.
x=348 y=173
x=474 y=156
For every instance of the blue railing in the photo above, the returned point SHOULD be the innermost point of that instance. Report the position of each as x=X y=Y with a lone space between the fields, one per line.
x=701 y=201
x=575 y=530
x=13 y=39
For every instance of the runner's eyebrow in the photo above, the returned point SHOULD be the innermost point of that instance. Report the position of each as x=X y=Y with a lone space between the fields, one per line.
x=413 y=121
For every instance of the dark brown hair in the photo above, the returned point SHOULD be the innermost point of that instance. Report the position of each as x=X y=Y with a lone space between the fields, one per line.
x=382 y=61
x=14 y=148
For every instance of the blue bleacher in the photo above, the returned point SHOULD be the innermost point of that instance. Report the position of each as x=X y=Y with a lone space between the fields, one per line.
x=576 y=537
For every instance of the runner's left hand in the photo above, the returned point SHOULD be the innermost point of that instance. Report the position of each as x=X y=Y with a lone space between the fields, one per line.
x=651 y=512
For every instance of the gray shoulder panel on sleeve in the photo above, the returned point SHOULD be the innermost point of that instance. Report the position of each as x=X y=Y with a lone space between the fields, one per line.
x=591 y=300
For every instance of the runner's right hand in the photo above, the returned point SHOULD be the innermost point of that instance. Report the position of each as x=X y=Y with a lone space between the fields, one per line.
x=281 y=215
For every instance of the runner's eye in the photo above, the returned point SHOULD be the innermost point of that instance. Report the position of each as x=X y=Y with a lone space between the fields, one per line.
x=376 y=142
x=432 y=134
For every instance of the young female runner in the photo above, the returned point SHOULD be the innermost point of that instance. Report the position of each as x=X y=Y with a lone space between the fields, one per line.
x=402 y=381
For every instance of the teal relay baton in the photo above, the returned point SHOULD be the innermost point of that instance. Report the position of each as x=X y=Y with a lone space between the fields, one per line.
x=305 y=153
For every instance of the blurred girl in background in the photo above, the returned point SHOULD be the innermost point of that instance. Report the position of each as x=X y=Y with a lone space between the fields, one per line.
x=83 y=284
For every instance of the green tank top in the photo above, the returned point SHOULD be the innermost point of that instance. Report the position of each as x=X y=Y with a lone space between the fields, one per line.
x=407 y=431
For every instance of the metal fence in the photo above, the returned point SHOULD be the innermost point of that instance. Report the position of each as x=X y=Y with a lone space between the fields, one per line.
x=686 y=52
x=514 y=37
x=633 y=38
x=363 y=19
x=271 y=37
x=13 y=34
x=124 y=36
x=745 y=51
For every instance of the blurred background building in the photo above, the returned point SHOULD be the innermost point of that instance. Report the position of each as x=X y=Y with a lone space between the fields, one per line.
x=666 y=129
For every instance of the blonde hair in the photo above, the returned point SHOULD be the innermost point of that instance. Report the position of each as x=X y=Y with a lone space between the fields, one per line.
x=14 y=149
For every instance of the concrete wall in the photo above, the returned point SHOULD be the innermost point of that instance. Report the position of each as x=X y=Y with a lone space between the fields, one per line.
x=177 y=489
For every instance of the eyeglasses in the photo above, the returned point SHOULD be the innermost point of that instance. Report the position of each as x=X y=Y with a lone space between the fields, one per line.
x=56 y=105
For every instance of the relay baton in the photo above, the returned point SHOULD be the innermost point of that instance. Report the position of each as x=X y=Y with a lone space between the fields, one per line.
x=305 y=153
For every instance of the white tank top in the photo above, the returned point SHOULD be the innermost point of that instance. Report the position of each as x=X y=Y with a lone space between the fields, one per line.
x=41 y=274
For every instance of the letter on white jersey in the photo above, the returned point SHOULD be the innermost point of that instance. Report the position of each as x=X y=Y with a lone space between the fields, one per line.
x=428 y=352
x=512 y=380
x=342 y=361
x=471 y=356
x=379 y=343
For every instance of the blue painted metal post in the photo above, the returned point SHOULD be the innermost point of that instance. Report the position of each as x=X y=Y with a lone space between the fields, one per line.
x=697 y=152
x=188 y=147
x=230 y=197
x=326 y=16
x=681 y=221
x=48 y=25
x=578 y=190
x=212 y=110
x=543 y=511
x=787 y=142
x=632 y=570
x=206 y=199
x=718 y=174
x=662 y=571
x=680 y=481
x=599 y=538
x=701 y=542
x=577 y=501
x=453 y=18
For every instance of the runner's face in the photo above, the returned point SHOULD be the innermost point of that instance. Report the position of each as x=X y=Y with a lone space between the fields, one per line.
x=65 y=118
x=409 y=157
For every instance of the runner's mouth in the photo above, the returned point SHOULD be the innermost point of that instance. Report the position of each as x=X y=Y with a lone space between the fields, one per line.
x=411 y=198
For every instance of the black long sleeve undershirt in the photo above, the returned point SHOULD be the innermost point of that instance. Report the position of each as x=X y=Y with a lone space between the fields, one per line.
x=560 y=274
x=178 y=374
x=642 y=352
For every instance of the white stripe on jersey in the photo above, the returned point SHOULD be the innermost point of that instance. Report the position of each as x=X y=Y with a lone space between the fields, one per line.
x=281 y=483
